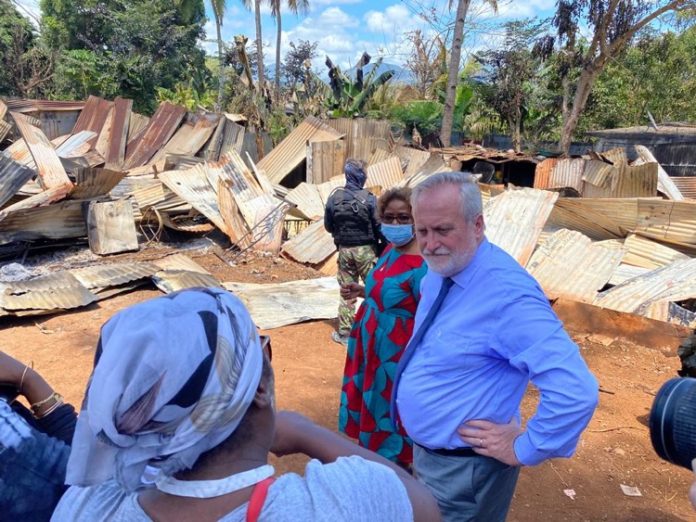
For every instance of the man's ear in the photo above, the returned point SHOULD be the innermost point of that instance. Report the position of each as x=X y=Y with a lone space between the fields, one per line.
x=479 y=226
x=264 y=393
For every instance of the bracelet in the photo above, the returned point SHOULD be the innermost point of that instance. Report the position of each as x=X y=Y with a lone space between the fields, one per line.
x=21 y=381
x=37 y=405
x=56 y=405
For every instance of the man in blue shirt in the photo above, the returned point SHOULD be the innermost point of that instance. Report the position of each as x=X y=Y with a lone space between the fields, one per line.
x=483 y=330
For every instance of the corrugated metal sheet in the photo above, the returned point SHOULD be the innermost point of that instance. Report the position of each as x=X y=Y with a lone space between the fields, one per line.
x=43 y=198
x=433 y=165
x=602 y=218
x=75 y=145
x=559 y=173
x=13 y=176
x=116 y=134
x=3 y=109
x=379 y=155
x=385 y=174
x=625 y=272
x=325 y=189
x=308 y=201
x=92 y=183
x=24 y=105
x=111 y=227
x=678 y=159
x=174 y=280
x=159 y=197
x=232 y=138
x=159 y=130
x=686 y=185
x=625 y=182
x=617 y=156
x=59 y=221
x=59 y=291
x=313 y=245
x=48 y=163
x=365 y=148
x=190 y=137
x=668 y=221
x=98 y=277
x=569 y=265
x=649 y=254
x=675 y=282
x=93 y=116
x=19 y=152
x=599 y=173
x=361 y=127
x=413 y=158
x=4 y=129
x=57 y=123
x=292 y=150
x=515 y=218
x=136 y=126
x=275 y=305
x=180 y=262
x=325 y=160
x=664 y=183
x=193 y=187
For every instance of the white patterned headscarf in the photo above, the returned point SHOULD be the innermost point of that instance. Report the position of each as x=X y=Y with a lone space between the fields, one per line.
x=172 y=379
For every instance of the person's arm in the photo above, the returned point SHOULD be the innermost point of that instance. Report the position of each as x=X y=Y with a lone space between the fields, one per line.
x=297 y=434
x=328 y=216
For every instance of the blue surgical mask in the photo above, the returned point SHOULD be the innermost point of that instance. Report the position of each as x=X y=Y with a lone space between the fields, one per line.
x=398 y=235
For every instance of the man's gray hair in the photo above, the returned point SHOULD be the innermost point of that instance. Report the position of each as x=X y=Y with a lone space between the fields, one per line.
x=469 y=192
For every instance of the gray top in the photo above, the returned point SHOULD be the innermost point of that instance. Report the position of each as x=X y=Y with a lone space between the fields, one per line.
x=351 y=489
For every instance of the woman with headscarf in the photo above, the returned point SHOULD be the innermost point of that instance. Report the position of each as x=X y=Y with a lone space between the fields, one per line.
x=382 y=327
x=179 y=418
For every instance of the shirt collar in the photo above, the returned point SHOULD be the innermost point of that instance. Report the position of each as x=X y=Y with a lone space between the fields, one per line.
x=464 y=277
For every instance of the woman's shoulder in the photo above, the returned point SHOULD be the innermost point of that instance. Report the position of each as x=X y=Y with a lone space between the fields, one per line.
x=107 y=501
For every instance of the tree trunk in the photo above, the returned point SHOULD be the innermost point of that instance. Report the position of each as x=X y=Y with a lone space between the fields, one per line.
x=277 y=64
x=221 y=63
x=453 y=74
x=259 y=45
x=584 y=87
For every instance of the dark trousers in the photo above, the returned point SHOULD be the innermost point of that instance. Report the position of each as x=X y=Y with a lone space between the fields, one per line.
x=469 y=488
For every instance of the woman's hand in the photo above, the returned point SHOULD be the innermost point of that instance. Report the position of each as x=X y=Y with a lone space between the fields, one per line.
x=29 y=383
x=351 y=291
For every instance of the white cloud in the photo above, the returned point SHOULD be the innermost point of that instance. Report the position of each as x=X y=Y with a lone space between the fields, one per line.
x=394 y=18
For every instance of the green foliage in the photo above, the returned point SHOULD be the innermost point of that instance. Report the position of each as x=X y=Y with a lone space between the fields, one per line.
x=187 y=96
x=424 y=115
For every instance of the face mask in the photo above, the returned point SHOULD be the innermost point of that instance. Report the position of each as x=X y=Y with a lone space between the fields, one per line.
x=399 y=235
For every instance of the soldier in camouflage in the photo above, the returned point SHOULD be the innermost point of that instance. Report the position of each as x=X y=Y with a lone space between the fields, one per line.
x=350 y=217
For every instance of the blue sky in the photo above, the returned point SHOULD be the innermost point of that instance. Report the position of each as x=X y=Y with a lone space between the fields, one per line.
x=346 y=28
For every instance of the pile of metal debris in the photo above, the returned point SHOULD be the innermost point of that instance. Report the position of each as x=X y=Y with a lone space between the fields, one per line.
x=599 y=230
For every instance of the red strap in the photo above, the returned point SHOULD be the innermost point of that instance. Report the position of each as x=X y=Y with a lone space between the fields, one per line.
x=258 y=497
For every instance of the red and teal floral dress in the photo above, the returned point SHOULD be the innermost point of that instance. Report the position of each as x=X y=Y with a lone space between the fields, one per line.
x=382 y=327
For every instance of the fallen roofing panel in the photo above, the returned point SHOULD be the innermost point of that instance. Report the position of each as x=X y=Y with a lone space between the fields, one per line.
x=159 y=130
x=48 y=163
x=674 y=282
x=555 y=173
x=93 y=116
x=292 y=151
x=24 y=105
x=414 y=158
x=111 y=227
x=43 y=198
x=232 y=137
x=75 y=144
x=13 y=176
x=624 y=272
x=136 y=127
x=668 y=221
x=116 y=134
x=309 y=203
x=3 y=109
x=365 y=148
x=313 y=245
x=325 y=159
x=686 y=185
x=174 y=280
x=179 y=262
x=433 y=165
x=624 y=181
x=58 y=291
x=664 y=182
x=99 y=277
x=193 y=187
x=59 y=221
x=5 y=128
x=599 y=218
x=385 y=174
x=568 y=264
x=275 y=305
x=649 y=254
x=190 y=137
x=515 y=218
x=92 y=183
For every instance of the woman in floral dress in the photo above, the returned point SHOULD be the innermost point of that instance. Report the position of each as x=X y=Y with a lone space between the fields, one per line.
x=382 y=327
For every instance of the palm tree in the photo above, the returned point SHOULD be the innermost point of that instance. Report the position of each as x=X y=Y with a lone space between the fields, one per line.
x=453 y=70
x=295 y=7
x=219 y=13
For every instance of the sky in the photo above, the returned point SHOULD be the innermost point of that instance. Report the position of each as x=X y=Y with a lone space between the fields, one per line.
x=344 y=29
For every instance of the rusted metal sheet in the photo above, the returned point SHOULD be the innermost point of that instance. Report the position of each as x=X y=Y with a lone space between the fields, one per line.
x=75 y=145
x=308 y=201
x=363 y=136
x=624 y=181
x=174 y=280
x=568 y=264
x=325 y=159
x=137 y=125
x=59 y=221
x=24 y=105
x=559 y=173
x=4 y=129
x=649 y=254
x=116 y=134
x=432 y=166
x=190 y=137
x=413 y=158
x=275 y=305
x=159 y=130
x=160 y=197
x=13 y=176
x=686 y=185
x=313 y=245
x=92 y=183
x=98 y=277
x=672 y=283
x=600 y=218
x=385 y=174
x=193 y=187
x=58 y=291
x=672 y=222
x=111 y=227
x=93 y=116
x=43 y=198
x=232 y=137
x=48 y=163
x=598 y=173
x=179 y=262
x=515 y=218
x=291 y=152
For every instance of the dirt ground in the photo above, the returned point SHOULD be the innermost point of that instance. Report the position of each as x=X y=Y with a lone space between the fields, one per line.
x=614 y=450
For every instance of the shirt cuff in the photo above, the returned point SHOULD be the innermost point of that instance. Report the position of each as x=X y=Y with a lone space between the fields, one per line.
x=525 y=451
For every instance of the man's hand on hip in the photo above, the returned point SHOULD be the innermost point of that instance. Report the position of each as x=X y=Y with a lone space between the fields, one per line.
x=492 y=440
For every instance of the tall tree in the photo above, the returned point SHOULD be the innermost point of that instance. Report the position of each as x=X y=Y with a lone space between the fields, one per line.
x=613 y=23
x=219 y=14
x=453 y=68
x=296 y=7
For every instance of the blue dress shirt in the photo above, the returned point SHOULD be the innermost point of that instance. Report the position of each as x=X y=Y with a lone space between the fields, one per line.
x=493 y=334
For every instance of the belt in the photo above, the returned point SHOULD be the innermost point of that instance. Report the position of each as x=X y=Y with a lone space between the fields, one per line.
x=457 y=452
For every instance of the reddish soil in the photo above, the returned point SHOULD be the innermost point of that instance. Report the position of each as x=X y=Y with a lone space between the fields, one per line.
x=614 y=450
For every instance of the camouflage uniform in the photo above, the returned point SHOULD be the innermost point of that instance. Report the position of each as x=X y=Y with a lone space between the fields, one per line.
x=354 y=263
